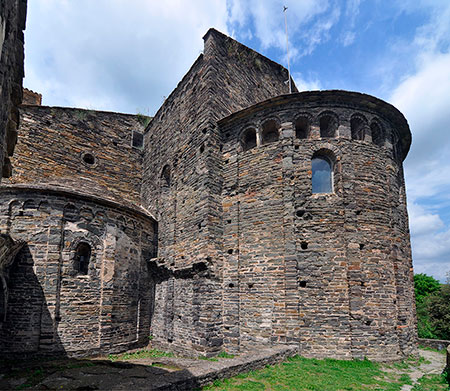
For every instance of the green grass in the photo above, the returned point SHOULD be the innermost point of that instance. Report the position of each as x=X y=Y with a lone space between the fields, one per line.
x=224 y=354
x=208 y=358
x=432 y=383
x=301 y=374
x=151 y=353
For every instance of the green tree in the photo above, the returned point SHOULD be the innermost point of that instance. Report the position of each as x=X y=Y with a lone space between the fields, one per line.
x=424 y=287
x=439 y=312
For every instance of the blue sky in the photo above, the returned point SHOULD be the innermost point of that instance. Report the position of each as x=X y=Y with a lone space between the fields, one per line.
x=128 y=55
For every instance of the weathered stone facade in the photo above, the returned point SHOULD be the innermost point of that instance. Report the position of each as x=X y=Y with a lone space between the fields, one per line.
x=210 y=237
x=12 y=24
x=329 y=271
x=77 y=181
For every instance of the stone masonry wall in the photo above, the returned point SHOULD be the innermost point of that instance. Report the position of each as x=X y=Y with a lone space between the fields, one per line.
x=52 y=306
x=12 y=24
x=89 y=151
x=182 y=183
x=329 y=271
x=31 y=98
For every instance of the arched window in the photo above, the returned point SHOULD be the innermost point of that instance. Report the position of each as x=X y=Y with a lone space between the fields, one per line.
x=302 y=127
x=328 y=126
x=322 y=174
x=165 y=177
x=270 y=131
x=357 y=126
x=377 y=134
x=248 y=140
x=82 y=258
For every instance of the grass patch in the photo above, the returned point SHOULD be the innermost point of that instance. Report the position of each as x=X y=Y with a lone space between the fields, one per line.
x=224 y=354
x=144 y=120
x=301 y=374
x=151 y=353
x=208 y=358
x=432 y=383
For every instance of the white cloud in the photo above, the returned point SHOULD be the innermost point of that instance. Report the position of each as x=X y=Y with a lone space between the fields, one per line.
x=430 y=240
x=424 y=97
x=268 y=19
x=423 y=222
x=306 y=84
x=425 y=100
x=114 y=54
x=351 y=15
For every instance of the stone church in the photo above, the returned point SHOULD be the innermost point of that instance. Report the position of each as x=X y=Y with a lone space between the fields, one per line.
x=238 y=216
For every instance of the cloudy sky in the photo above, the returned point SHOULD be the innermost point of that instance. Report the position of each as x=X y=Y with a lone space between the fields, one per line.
x=128 y=55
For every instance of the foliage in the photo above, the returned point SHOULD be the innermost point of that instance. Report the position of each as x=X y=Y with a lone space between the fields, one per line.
x=439 y=311
x=144 y=120
x=425 y=288
x=432 y=383
x=425 y=328
x=300 y=373
x=425 y=285
x=224 y=354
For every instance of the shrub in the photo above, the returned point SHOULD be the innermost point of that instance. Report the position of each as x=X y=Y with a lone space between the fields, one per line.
x=425 y=285
x=439 y=312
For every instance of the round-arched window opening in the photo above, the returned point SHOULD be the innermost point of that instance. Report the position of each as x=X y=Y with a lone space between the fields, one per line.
x=270 y=131
x=322 y=175
x=248 y=140
x=328 y=126
x=302 y=127
x=82 y=258
x=358 y=127
x=89 y=158
x=377 y=134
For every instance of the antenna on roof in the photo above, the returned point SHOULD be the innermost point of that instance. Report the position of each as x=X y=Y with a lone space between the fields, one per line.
x=287 y=50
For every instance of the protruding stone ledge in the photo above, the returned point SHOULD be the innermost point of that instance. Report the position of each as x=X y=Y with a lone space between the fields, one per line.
x=58 y=190
x=439 y=344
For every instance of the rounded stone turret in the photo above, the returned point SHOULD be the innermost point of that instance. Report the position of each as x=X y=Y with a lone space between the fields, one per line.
x=316 y=239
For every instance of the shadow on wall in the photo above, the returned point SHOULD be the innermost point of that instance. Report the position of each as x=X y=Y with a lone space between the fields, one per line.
x=28 y=328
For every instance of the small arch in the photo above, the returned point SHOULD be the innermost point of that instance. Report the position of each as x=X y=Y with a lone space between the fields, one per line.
x=70 y=212
x=302 y=127
x=165 y=177
x=14 y=208
x=358 y=126
x=29 y=204
x=82 y=258
x=86 y=213
x=395 y=146
x=328 y=125
x=248 y=139
x=322 y=172
x=44 y=206
x=121 y=223
x=378 y=135
x=270 y=131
